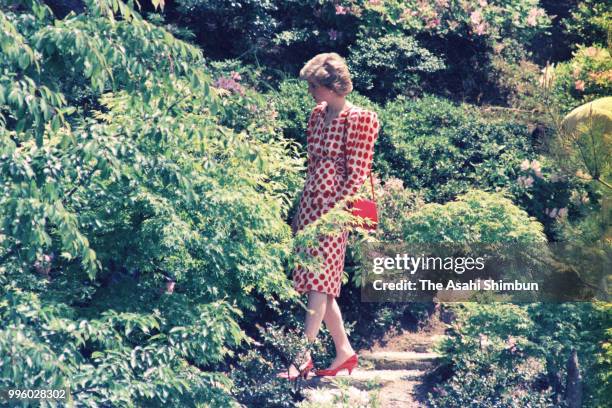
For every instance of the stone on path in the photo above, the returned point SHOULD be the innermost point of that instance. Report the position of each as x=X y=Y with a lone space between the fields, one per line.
x=400 y=360
x=388 y=376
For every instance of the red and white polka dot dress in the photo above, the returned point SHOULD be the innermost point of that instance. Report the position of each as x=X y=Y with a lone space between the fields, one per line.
x=335 y=171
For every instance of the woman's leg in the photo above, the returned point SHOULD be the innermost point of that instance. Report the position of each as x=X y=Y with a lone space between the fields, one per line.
x=335 y=325
x=317 y=303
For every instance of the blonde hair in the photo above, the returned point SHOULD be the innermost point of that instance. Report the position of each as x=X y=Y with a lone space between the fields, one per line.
x=329 y=70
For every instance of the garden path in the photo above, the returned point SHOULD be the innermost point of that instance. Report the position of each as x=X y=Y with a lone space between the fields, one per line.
x=392 y=374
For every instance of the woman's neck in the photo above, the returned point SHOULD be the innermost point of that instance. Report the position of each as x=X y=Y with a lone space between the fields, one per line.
x=335 y=107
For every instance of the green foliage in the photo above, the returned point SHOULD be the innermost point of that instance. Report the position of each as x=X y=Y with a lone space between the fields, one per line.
x=114 y=186
x=130 y=163
x=118 y=358
x=510 y=355
x=392 y=35
x=394 y=202
x=468 y=36
x=590 y=22
x=584 y=78
x=294 y=105
x=600 y=383
x=497 y=19
x=548 y=193
x=583 y=327
x=393 y=64
x=443 y=149
x=231 y=26
x=256 y=381
x=477 y=216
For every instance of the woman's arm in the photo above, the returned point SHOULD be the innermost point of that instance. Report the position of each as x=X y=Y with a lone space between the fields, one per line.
x=361 y=135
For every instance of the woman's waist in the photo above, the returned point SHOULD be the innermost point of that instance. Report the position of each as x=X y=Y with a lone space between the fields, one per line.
x=327 y=157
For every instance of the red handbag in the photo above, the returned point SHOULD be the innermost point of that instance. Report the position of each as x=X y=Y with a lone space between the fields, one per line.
x=364 y=208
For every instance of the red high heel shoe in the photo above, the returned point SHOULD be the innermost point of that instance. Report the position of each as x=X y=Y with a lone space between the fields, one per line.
x=303 y=372
x=349 y=365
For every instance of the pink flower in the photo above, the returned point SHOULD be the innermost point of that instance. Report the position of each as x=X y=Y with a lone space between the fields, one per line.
x=341 y=9
x=484 y=340
x=525 y=181
x=511 y=342
x=442 y=3
x=333 y=34
x=375 y=2
x=409 y=13
x=230 y=84
x=535 y=166
x=552 y=213
x=585 y=199
x=433 y=23
x=482 y=3
x=590 y=52
x=476 y=17
x=235 y=76
x=525 y=165
x=480 y=26
x=532 y=17
x=579 y=85
x=481 y=29
x=562 y=212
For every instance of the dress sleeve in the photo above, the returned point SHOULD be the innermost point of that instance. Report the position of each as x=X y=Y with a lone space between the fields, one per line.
x=361 y=137
x=309 y=128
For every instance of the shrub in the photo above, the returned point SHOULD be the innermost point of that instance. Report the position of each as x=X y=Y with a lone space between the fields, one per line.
x=547 y=193
x=395 y=202
x=511 y=355
x=476 y=216
x=255 y=378
x=386 y=66
x=442 y=149
x=589 y=23
x=466 y=35
x=283 y=35
x=228 y=28
x=493 y=360
x=584 y=78
x=104 y=207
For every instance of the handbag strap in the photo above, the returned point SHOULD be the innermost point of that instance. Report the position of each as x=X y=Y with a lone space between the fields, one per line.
x=346 y=123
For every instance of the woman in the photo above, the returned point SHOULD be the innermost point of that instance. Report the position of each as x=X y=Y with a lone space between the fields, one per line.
x=340 y=139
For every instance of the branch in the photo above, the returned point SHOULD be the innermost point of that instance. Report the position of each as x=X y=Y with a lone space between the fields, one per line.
x=604 y=183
